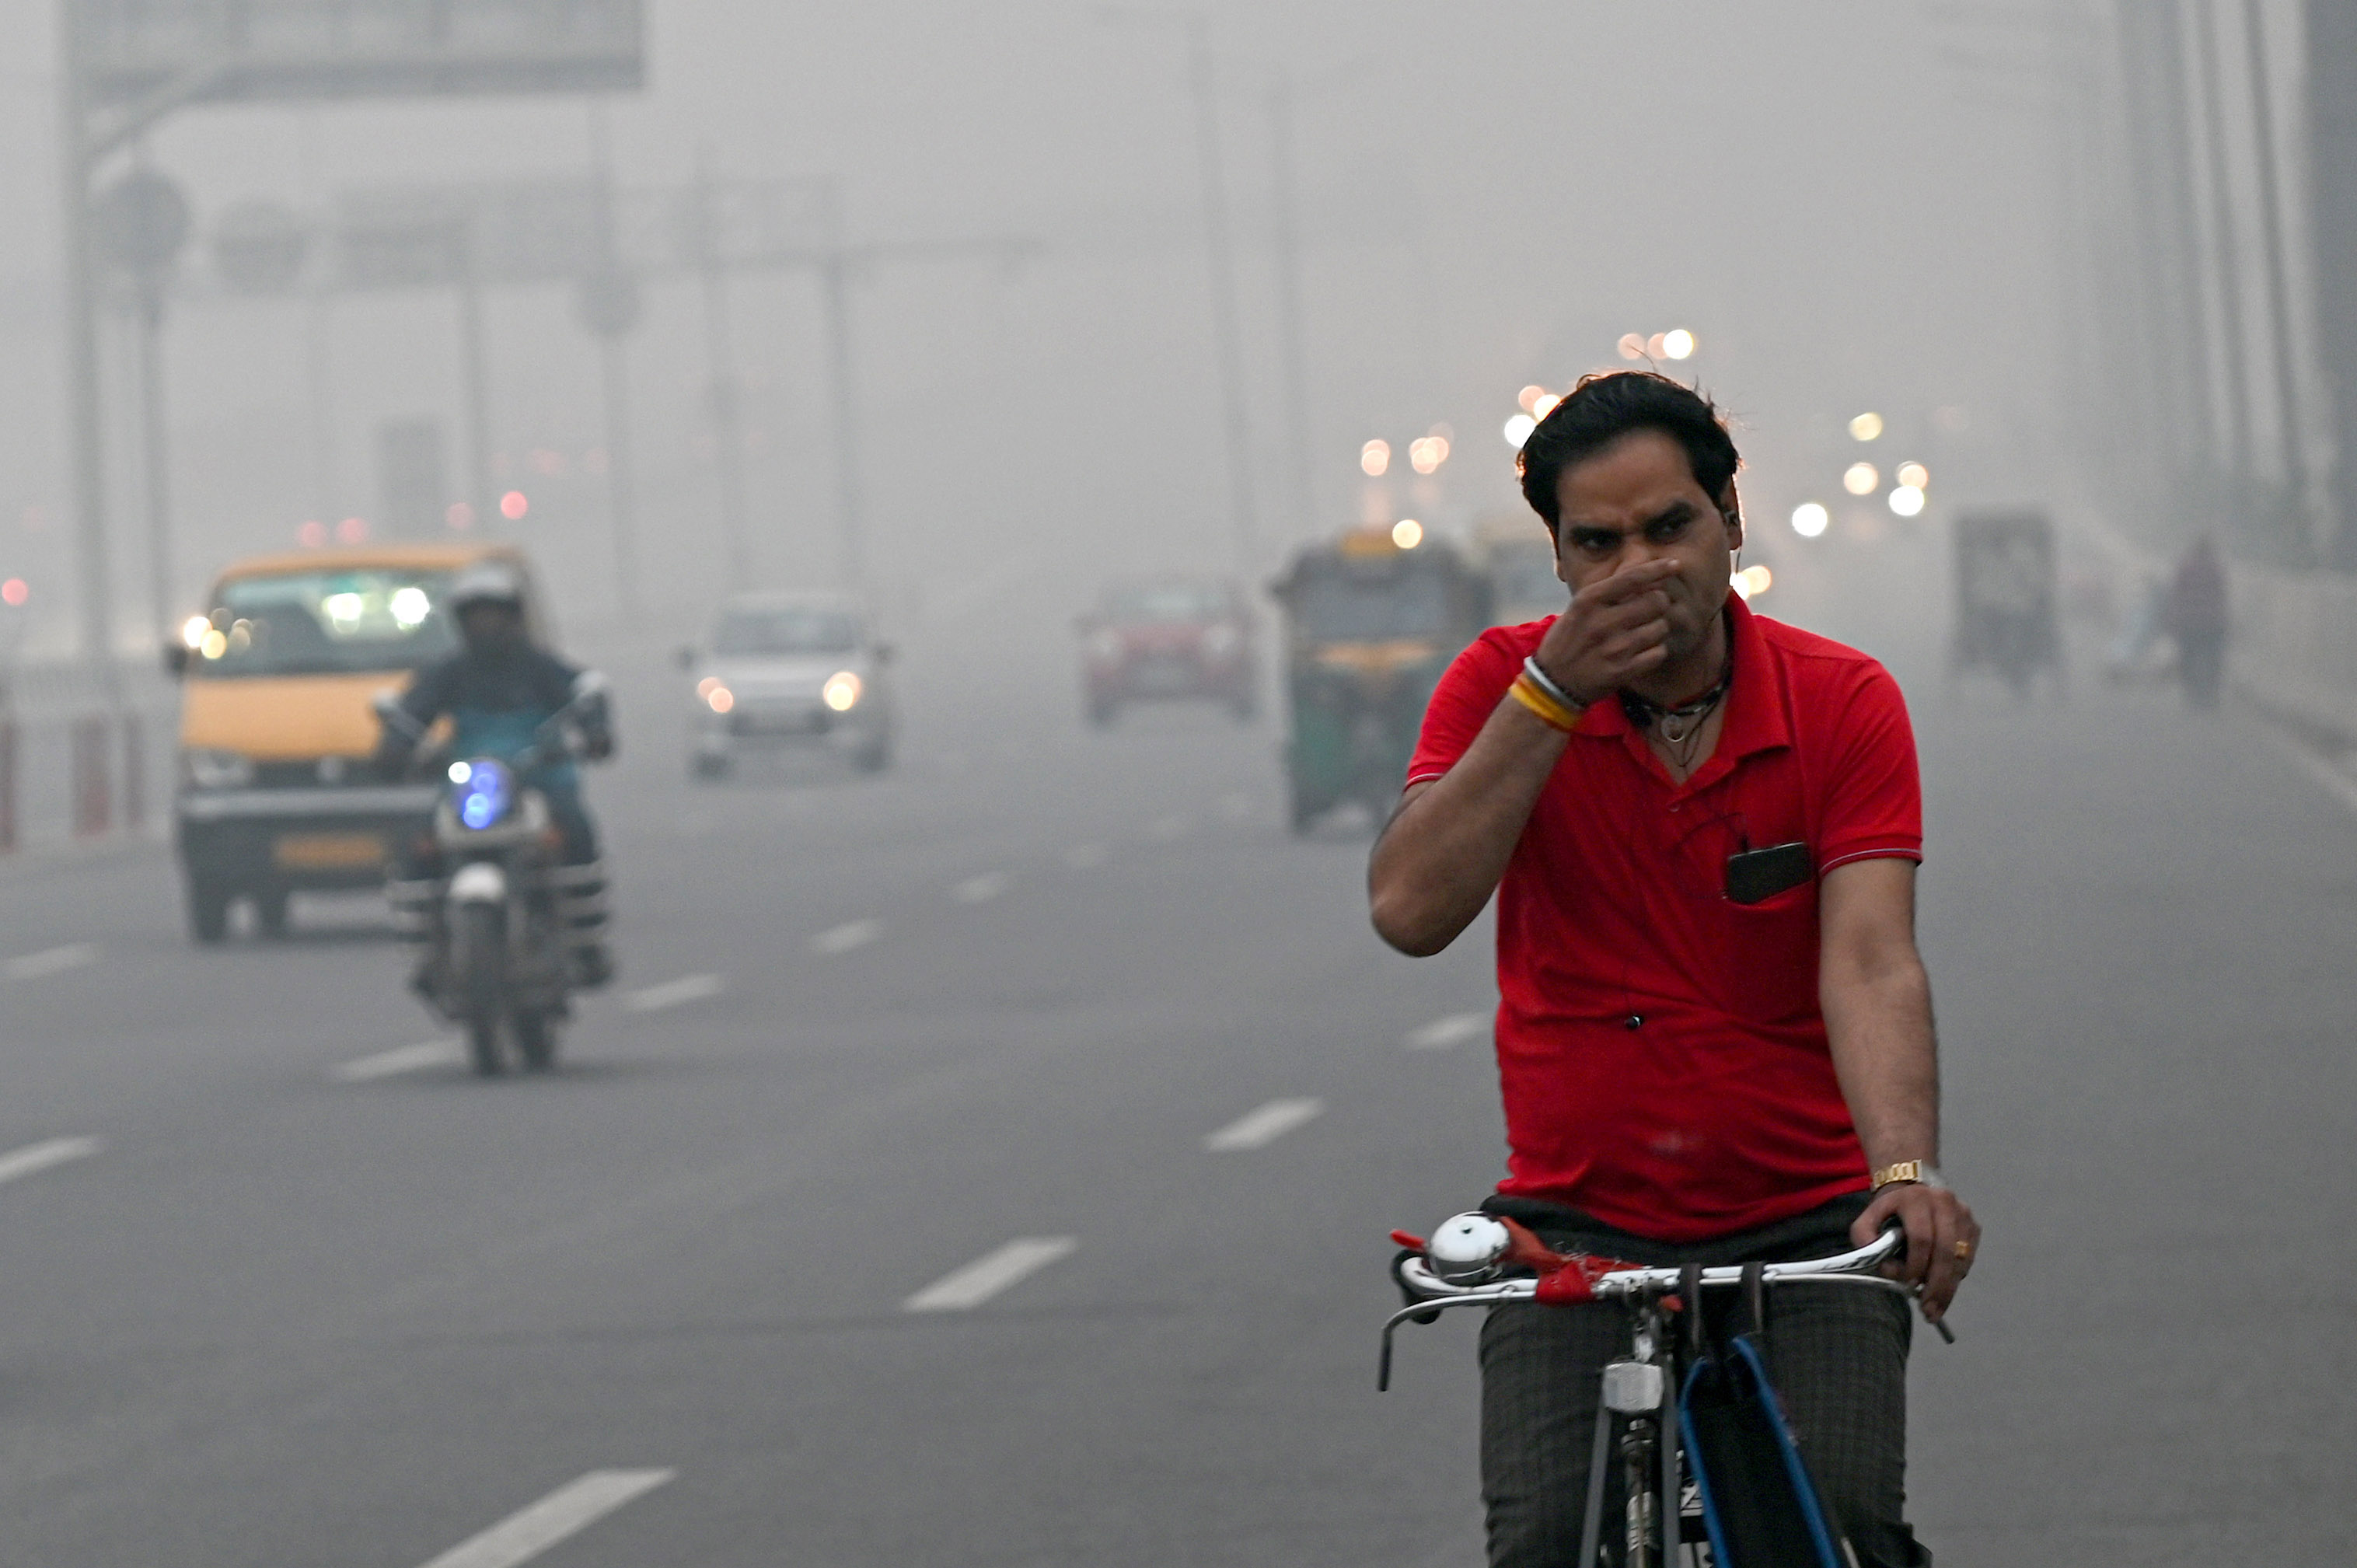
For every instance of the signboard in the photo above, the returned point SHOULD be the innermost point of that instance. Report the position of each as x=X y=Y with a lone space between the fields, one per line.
x=191 y=52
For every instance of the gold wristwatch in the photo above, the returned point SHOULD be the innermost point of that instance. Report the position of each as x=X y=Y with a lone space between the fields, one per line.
x=1923 y=1173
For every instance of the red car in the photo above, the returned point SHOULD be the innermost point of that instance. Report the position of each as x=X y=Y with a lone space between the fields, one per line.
x=1165 y=638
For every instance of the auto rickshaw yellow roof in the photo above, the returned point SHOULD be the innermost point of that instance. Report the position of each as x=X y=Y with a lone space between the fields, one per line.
x=1362 y=543
x=412 y=557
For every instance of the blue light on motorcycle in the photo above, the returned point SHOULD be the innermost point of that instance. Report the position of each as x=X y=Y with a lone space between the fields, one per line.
x=485 y=793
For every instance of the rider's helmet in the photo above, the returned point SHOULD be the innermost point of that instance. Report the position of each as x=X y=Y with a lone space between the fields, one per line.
x=486 y=583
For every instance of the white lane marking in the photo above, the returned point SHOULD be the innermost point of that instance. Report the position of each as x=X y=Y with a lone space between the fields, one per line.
x=400 y=1059
x=962 y=1289
x=1259 y=1128
x=982 y=889
x=1454 y=1030
x=1165 y=828
x=19 y=1164
x=567 y=1510
x=673 y=992
x=851 y=934
x=49 y=960
x=2339 y=784
x=1080 y=856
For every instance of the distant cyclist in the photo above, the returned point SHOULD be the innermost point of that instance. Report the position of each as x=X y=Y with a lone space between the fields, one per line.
x=1715 y=1039
x=498 y=690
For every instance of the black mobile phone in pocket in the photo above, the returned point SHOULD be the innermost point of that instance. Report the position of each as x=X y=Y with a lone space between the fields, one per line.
x=1758 y=875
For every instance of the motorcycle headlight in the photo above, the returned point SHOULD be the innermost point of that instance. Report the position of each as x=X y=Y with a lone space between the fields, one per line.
x=841 y=691
x=205 y=767
x=482 y=792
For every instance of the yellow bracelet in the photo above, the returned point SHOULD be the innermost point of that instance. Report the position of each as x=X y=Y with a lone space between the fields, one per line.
x=1526 y=692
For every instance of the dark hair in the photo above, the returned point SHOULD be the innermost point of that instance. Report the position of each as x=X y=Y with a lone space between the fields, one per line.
x=1609 y=404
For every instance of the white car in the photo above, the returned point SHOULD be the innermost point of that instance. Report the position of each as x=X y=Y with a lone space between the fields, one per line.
x=789 y=672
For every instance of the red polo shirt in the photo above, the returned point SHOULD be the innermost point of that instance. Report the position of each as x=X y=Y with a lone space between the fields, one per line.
x=1660 y=1048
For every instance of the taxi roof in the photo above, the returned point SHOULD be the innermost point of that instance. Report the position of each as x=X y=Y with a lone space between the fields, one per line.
x=434 y=556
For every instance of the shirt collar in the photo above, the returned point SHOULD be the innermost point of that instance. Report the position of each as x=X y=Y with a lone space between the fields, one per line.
x=1755 y=703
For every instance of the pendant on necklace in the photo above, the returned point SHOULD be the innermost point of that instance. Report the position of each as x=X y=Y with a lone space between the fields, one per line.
x=1673 y=729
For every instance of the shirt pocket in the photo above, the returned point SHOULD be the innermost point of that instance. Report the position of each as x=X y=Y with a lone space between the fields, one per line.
x=1769 y=956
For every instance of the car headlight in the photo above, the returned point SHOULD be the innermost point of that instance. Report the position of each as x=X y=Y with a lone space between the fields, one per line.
x=204 y=768
x=841 y=691
x=716 y=696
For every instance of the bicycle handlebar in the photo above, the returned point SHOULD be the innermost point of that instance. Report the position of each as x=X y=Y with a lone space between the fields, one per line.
x=1567 y=1278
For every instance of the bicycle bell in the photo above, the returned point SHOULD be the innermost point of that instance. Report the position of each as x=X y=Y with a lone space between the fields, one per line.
x=1469 y=1250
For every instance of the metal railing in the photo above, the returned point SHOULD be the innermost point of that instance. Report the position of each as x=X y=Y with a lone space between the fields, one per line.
x=79 y=760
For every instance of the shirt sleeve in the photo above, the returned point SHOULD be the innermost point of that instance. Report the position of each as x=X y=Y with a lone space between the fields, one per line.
x=428 y=696
x=1874 y=795
x=1468 y=694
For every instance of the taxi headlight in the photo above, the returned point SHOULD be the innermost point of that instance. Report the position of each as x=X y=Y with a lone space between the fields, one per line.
x=716 y=697
x=205 y=767
x=841 y=691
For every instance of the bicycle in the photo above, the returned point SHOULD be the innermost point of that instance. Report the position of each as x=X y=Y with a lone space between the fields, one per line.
x=1671 y=1382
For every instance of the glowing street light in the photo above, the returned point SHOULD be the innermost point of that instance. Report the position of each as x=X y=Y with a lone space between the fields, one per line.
x=1375 y=458
x=1865 y=428
x=1810 y=520
x=1752 y=582
x=1407 y=533
x=1529 y=397
x=1861 y=479
x=1518 y=430
x=1907 y=501
x=1678 y=343
x=1914 y=474
x=1427 y=452
x=1632 y=345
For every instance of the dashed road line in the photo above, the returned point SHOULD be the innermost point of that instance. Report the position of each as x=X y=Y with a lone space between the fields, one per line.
x=1080 y=856
x=962 y=1289
x=1454 y=1030
x=33 y=1158
x=567 y=1512
x=851 y=934
x=400 y=1059
x=675 y=992
x=2342 y=788
x=982 y=889
x=1258 y=1128
x=49 y=960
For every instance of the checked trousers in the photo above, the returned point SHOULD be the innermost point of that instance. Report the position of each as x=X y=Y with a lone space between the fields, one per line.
x=1837 y=1354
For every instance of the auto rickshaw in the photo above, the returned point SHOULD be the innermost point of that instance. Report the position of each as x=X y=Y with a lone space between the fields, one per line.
x=2004 y=600
x=1371 y=624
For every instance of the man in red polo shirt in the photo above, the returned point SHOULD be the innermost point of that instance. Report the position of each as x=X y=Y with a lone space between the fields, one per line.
x=1715 y=1035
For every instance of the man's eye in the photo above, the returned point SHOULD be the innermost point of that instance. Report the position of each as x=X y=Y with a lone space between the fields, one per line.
x=1594 y=543
x=1662 y=532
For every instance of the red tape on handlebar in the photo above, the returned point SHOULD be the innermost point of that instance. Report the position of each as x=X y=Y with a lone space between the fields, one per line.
x=1566 y=1279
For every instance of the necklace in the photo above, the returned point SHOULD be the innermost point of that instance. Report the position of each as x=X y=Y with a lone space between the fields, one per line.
x=1685 y=722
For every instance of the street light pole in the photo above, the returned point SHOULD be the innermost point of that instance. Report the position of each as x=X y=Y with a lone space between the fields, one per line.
x=613 y=369
x=1223 y=291
x=719 y=355
x=83 y=412
x=1290 y=329
x=2263 y=134
x=833 y=273
x=155 y=441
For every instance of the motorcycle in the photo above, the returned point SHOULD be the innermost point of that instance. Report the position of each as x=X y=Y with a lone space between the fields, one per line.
x=500 y=917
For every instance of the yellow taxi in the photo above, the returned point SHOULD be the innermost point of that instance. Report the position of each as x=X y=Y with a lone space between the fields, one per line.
x=277 y=791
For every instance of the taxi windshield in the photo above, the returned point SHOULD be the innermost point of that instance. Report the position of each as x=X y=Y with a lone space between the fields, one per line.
x=1344 y=608
x=324 y=623
x=786 y=630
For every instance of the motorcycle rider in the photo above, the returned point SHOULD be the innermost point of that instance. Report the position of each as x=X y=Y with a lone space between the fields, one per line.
x=498 y=690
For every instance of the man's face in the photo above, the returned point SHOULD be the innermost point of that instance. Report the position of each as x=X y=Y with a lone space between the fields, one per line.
x=489 y=625
x=1637 y=501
